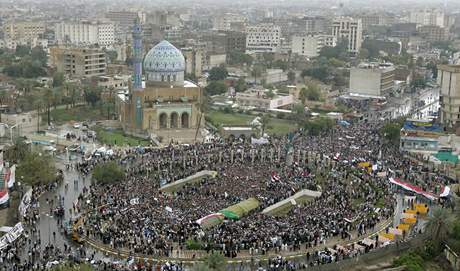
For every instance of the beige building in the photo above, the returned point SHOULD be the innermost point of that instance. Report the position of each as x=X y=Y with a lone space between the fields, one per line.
x=349 y=29
x=194 y=61
x=372 y=79
x=311 y=45
x=23 y=30
x=260 y=99
x=85 y=33
x=433 y=33
x=449 y=80
x=79 y=62
x=263 y=38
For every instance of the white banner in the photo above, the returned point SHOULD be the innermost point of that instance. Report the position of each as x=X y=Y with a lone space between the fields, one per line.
x=15 y=232
x=259 y=141
x=25 y=202
x=12 y=178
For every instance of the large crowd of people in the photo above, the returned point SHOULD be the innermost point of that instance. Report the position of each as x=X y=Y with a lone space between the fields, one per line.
x=163 y=224
x=136 y=216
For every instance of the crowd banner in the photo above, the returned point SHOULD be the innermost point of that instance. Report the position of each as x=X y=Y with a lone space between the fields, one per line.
x=11 y=235
x=259 y=141
x=25 y=202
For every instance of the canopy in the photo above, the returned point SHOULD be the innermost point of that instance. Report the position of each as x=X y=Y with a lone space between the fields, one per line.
x=447 y=157
x=229 y=214
x=240 y=209
x=210 y=220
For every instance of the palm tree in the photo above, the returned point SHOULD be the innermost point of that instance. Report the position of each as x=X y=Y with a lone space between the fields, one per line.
x=264 y=120
x=48 y=98
x=3 y=97
x=438 y=224
x=214 y=261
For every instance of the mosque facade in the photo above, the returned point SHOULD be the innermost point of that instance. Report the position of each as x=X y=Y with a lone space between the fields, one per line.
x=163 y=105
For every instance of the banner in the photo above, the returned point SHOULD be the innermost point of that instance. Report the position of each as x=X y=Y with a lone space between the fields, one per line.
x=413 y=188
x=15 y=232
x=12 y=177
x=25 y=202
x=259 y=141
x=4 y=197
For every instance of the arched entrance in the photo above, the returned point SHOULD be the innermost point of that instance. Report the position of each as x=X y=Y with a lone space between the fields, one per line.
x=163 y=121
x=184 y=120
x=174 y=119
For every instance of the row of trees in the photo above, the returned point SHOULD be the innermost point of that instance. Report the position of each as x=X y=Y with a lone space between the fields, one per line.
x=24 y=62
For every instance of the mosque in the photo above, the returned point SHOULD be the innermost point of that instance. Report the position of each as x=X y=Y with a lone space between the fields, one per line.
x=163 y=105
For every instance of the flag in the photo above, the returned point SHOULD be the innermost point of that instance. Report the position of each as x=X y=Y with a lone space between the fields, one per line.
x=275 y=177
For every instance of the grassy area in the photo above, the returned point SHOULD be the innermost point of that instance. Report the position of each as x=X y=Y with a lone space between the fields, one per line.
x=118 y=138
x=78 y=113
x=275 y=126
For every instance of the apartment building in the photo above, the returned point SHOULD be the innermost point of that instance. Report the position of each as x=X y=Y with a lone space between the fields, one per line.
x=373 y=79
x=85 y=33
x=263 y=38
x=349 y=29
x=311 y=45
x=79 y=62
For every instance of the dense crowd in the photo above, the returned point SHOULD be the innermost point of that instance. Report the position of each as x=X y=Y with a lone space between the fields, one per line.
x=135 y=215
x=162 y=224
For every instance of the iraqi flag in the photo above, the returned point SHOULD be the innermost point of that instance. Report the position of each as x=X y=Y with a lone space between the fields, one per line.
x=275 y=177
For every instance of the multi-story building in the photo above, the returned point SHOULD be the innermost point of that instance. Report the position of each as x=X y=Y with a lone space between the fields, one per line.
x=349 y=29
x=428 y=17
x=194 y=61
x=79 y=62
x=317 y=24
x=235 y=41
x=226 y=21
x=263 y=38
x=311 y=45
x=369 y=20
x=25 y=30
x=85 y=33
x=372 y=79
x=433 y=33
x=125 y=18
x=449 y=80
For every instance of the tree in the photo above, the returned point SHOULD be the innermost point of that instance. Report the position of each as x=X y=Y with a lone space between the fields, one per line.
x=321 y=73
x=92 y=95
x=418 y=82
x=240 y=85
x=212 y=262
x=298 y=113
x=215 y=88
x=217 y=74
x=391 y=132
x=311 y=93
x=48 y=96
x=257 y=71
x=340 y=51
x=437 y=225
x=58 y=79
x=363 y=53
x=22 y=50
x=264 y=121
x=17 y=152
x=3 y=97
x=109 y=172
x=238 y=58
x=291 y=76
x=37 y=168
x=318 y=126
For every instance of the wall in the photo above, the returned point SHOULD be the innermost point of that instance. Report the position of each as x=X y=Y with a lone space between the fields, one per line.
x=365 y=81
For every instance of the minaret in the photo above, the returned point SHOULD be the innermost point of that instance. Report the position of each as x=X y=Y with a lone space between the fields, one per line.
x=137 y=62
x=137 y=55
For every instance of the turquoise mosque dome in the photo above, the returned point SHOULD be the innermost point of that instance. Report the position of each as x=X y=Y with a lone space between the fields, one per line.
x=164 y=57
